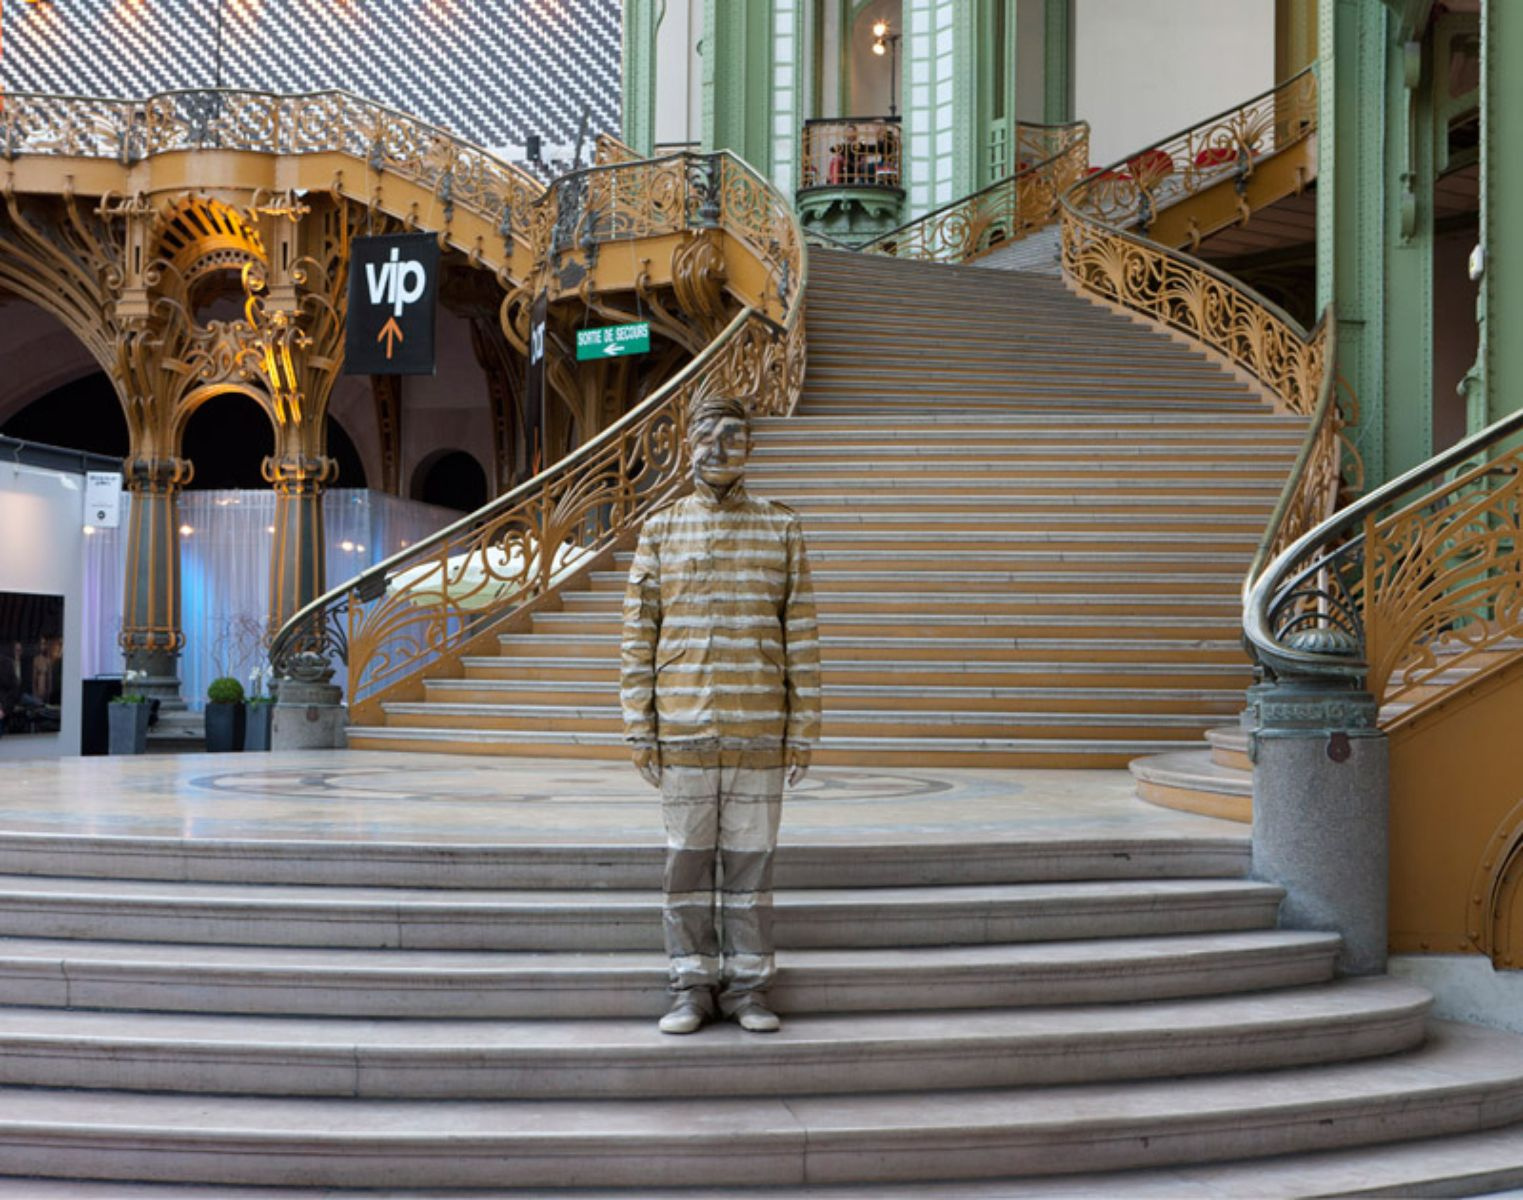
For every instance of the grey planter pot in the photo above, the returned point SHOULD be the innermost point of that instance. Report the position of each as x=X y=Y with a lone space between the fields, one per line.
x=256 y=731
x=128 y=732
x=224 y=728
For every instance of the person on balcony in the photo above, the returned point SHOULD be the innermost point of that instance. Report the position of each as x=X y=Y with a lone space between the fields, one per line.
x=721 y=695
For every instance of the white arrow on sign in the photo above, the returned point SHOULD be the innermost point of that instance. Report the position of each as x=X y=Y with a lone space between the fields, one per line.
x=614 y=348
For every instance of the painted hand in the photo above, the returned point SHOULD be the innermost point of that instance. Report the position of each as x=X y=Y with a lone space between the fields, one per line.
x=648 y=763
x=797 y=764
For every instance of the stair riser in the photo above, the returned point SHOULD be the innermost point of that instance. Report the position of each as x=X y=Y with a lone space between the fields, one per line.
x=636 y=926
x=841 y=585
x=773 y=1153
x=924 y=727
x=1182 y=676
x=641 y=992
x=909 y=701
x=842 y=626
x=662 y=1069
x=837 y=605
x=907 y=651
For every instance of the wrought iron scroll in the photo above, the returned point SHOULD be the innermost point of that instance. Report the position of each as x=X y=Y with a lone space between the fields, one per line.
x=1422 y=579
x=1106 y=253
x=1050 y=159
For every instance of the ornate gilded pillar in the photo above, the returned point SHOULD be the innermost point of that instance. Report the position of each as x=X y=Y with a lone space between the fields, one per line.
x=298 y=562
x=151 y=637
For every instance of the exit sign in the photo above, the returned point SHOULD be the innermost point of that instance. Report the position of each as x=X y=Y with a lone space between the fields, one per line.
x=613 y=341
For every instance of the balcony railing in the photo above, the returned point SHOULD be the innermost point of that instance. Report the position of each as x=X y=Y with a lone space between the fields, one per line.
x=864 y=152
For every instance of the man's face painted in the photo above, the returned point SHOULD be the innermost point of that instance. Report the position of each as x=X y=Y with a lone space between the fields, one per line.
x=719 y=448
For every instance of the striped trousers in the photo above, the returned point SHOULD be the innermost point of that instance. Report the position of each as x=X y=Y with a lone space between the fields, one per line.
x=721 y=829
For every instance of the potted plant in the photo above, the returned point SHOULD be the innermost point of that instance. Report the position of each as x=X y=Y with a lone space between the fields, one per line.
x=261 y=711
x=224 y=715
x=128 y=718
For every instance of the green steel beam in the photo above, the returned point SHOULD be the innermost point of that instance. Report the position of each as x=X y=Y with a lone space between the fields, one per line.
x=639 y=125
x=737 y=79
x=1351 y=208
x=1057 y=66
x=1501 y=358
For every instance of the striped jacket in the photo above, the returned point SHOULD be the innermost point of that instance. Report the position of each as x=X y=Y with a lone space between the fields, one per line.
x=720 y=638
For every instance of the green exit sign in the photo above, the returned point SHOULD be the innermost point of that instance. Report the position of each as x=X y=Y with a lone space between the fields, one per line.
x=613 y=341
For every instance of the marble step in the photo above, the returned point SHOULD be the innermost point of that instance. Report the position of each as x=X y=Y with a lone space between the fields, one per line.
x=1056 y=753
x=868 y=404
x=845 y=600
x=846 y=622
x=1461 y=1081
x=447 y=865
x=558 y=1059
x=329 y=982
x=1053 y=434
x=1196 y=582
x=976 y=561
x=838 y=462
x=1191 y=780
x=1119 y=423
x=545 y=919
x=890 y=696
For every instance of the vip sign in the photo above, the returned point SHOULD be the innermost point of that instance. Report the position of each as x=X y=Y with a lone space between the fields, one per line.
x=393 y=292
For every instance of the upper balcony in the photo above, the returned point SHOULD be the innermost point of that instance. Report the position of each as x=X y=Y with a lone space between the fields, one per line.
x=851 y=175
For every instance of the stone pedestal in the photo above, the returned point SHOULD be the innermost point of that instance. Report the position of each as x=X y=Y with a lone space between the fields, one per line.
x=1320 y=813
x=308 y=716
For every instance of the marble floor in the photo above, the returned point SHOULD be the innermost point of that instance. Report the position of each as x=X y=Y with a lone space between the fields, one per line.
x=378 y=796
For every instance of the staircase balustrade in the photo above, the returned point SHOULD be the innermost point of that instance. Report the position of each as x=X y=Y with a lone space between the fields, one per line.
x=434 y=601
x=1422 y=577
x=1050 y=159
x=1106 y=253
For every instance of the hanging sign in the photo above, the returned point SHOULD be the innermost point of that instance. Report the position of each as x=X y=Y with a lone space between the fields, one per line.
x=534 y=384
x=613 y=341
x=393 y=292
x=103 y=499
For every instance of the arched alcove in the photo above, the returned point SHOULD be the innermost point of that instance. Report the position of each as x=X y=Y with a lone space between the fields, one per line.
x=83 y=415
x=227 y=439
x=450 y=479
x=342 y=450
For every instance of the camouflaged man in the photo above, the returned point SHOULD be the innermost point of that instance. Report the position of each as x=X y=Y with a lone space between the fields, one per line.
x=721 y=697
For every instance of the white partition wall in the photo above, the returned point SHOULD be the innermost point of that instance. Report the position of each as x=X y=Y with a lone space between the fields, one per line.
x=42 y=552
x=1144 y=69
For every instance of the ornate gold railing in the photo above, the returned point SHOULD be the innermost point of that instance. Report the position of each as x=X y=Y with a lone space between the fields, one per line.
x=1228 y=146
x=435 y=601
x=391 y=142
x=611 y=150
x=852 y=153
x=1421 y=577
x=1120 y=266
x=1050 y=158
x=1327 y=468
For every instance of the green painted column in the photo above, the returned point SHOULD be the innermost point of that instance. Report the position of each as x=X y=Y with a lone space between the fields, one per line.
x=1058 y=62
x=1351 y=211
x=1501 y=354
x=1407 y=388
x=639 y=125
x=737 y=79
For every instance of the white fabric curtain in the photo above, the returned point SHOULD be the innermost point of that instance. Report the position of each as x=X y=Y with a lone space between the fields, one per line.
x=225 y=544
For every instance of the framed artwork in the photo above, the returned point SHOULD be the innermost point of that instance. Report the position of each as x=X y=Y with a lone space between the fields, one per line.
x=31 y=663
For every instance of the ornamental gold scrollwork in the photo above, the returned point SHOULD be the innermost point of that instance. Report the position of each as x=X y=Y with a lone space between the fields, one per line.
x=1050 y=159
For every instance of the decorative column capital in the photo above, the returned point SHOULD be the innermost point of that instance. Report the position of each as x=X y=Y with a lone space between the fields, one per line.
x=158 y=475
x=299 y=474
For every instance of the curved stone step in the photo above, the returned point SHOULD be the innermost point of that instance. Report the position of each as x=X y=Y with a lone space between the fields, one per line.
x=859 y=1053
x=1193 y=781
x=466 y=919
x=496 y=984
x=1461 y=1081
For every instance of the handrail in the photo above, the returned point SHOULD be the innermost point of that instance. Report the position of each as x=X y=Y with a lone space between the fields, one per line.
x=1122 y=266
x=472 y=578
x=1326 y=464
x=1422 y=576
x=1012 y=208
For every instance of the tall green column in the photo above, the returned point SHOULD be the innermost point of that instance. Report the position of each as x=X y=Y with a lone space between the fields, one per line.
x=1407 y=388
x=1351 y=210
x=1501 y=354
x=1058 y=62
x=640 y=19
x=737 y=79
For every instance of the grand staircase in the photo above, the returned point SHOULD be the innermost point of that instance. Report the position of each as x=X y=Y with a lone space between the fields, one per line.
x=1028 y=518
x=1015 y=1005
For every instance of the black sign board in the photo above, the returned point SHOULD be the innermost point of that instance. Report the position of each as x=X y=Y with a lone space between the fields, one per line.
x=393 y=291
x=534 y=390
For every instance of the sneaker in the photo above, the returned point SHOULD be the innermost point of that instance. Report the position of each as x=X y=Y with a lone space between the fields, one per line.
x=684 y=1017
x=755 y=1017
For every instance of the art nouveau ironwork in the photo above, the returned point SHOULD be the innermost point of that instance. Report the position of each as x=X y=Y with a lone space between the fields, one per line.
x=1419 y=579
x=1050 y=159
